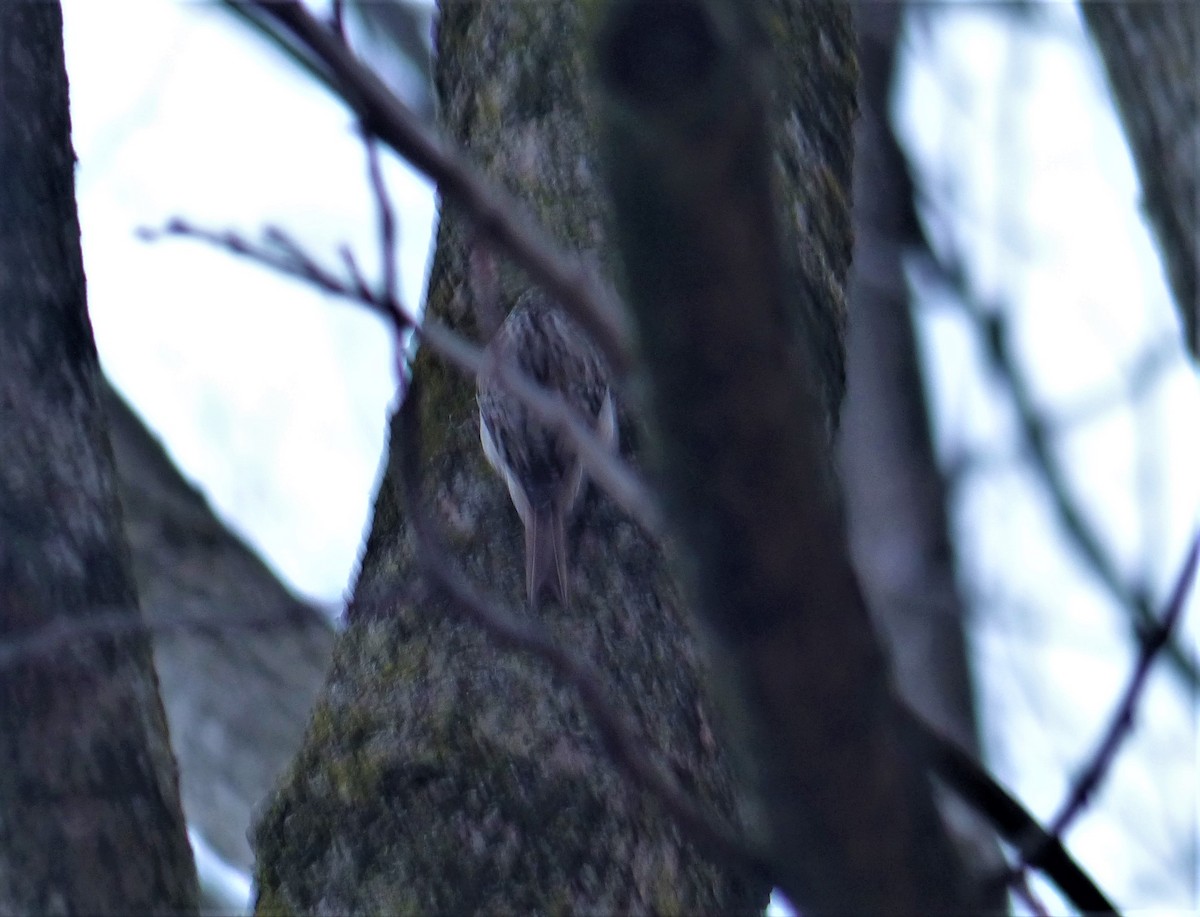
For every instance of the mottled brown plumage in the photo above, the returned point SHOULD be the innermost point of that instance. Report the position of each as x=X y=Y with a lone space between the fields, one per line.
x=544 y=475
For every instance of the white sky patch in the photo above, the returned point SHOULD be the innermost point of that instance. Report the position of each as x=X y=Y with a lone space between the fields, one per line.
x=272 y=396
x=219 y=881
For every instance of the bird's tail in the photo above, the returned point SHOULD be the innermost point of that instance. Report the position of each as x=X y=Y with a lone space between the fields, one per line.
x=546 y=555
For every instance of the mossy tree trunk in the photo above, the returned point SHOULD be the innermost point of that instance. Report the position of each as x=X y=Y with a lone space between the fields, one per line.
x=440 y=773
x=443 y=774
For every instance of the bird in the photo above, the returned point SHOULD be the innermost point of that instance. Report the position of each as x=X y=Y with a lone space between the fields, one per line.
x=544 y=475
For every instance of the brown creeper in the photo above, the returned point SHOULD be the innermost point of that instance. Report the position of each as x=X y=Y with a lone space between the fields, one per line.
x=544 y=475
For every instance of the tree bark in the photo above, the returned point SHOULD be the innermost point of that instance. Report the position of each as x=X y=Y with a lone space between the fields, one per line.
x=738 y=301
x=441 y=774
x=1151 y=51
x=90 y=820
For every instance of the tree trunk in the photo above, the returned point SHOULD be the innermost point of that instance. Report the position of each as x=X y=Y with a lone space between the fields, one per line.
x=440 y=773
x=90 y=820
x=1151 y=51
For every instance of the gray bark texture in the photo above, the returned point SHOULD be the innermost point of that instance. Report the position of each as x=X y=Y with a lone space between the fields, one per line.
x=896 y=496
x=439 y=773
x=1151 y=51
x=738 y=302
x=239 y=658
x=90 y=819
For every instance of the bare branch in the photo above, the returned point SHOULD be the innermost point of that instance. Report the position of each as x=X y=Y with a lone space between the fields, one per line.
x=609 y=471
x=1022 y=890
x=627 y=750
x=1042 y=848
x=976 y=786
x=498 y=216
x=387 y=219
x=1034 y=428
x=362 y=289
x=1153 y=642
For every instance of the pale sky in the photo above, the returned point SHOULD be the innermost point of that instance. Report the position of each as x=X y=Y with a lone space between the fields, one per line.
x=273 y=397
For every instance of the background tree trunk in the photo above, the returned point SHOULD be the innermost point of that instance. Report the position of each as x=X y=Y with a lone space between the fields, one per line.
x=90 y=820
x=896 y=500
x=238 y=657
x=1151 y=51
x=439 y=772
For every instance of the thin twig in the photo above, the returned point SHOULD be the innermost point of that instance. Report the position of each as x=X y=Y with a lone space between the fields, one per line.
x=507 y=630
x=609 y=471
x=387 y=219
x=1021 y=889
x=1036 y=433
x=360 y=287
x=1121 y=723
x=386 y=216
x=497 y=214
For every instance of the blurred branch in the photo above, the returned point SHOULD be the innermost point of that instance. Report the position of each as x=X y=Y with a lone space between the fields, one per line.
x=1140 y=379
x=1020 y=888
x=991 y=328
x=387 y=220
x=627 y=750
x=340 y=74
x=254 y=18
x=385 y=212
x=402 y=28
x=281 y=253
x=971 y=782
x=497 y=214
x=1153 y=641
